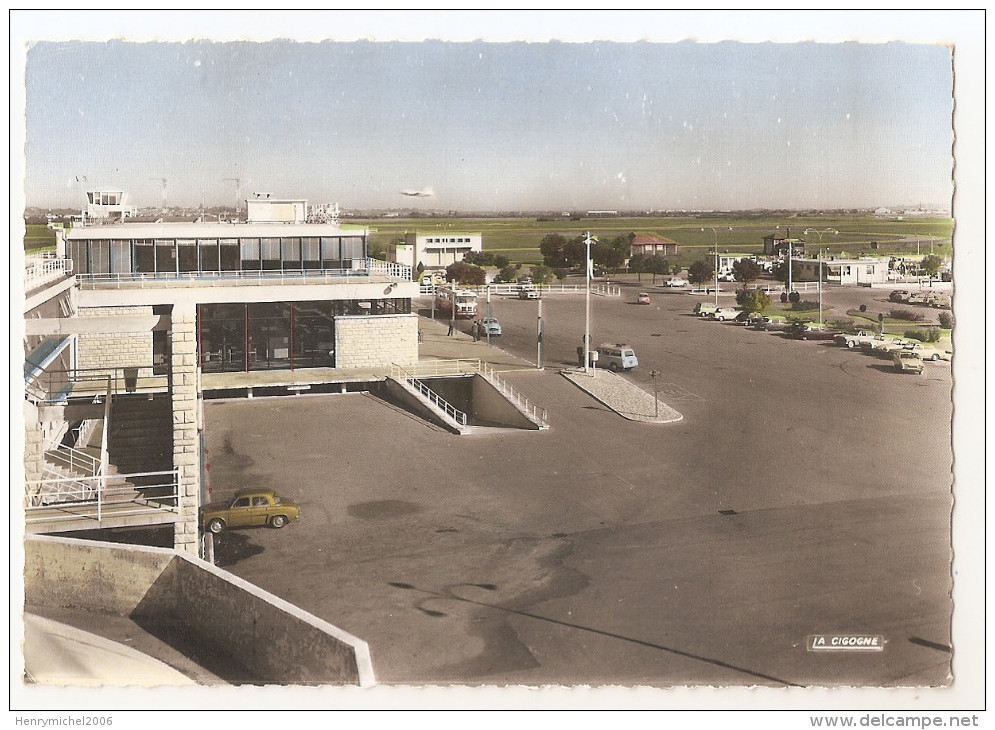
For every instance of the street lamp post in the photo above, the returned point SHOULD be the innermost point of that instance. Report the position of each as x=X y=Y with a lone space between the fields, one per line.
x=715 y=266
x=820 y=234
x=587 y=305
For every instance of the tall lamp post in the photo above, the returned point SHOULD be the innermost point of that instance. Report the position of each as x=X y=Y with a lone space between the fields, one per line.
x=587 y=305
x=820 y=233
x=715 y=266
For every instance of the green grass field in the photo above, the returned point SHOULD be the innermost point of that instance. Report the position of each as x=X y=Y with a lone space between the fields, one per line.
x=518 y=238
x=696 y=236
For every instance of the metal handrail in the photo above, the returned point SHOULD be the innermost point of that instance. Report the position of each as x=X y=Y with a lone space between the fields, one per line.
x=75 y=460
x=94 y=490
x=424 y=368
x=401 y=375
x=366 y=269
x=508 y=391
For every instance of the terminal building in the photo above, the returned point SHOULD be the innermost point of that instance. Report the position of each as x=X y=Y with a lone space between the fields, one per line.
x=131 y=323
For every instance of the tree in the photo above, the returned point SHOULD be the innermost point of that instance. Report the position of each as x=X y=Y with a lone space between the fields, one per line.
x=639 y=263
x=675 y=269
x=656 y=264
x=561 y=274
x=700 y=271
x=780 y=272
x=753 y=300
x=508 y=274
x=746 y=271
x=552 y=247
x=932 y=265
x=466 y=274
x=542 y=275
x=501 y=261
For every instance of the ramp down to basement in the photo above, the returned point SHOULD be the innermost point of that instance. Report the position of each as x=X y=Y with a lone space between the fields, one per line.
x=460 y=402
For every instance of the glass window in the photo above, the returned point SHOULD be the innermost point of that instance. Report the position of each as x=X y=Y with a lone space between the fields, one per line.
x=144 y=257
x=269 y=250
x=209 y=257
x=290 y=253
x=250 y=254
x=230 y=254
x=352 y=248
x=120 y=257
x=311 y=253
x=99 y=257
x=331 y=253
x=165 y=256
x=187 y=261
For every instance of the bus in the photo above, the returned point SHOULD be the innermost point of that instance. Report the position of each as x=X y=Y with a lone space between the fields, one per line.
x=466 y=302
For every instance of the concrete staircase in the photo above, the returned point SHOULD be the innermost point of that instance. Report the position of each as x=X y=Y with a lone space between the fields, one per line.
x=140 y=438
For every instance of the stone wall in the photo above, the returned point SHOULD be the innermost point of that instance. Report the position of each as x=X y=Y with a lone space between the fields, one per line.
x=115 y=349
x=275 y=640
x=186 y=425
x=376 y=341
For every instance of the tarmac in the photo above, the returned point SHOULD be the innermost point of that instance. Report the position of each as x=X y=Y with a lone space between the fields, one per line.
x=57 y=653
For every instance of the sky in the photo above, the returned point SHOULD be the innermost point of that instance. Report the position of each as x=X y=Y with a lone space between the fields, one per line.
x=492 y=125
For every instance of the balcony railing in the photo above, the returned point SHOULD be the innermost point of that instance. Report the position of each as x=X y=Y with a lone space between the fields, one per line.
x=43 y=268
x=98 y=499
x=370 y=270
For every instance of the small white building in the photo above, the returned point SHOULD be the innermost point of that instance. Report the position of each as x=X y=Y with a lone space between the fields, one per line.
x=436 y=250
x=854 y=272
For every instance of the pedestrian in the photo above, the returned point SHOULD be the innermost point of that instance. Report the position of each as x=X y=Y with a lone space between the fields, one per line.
x=450 y=332
x=476 y=330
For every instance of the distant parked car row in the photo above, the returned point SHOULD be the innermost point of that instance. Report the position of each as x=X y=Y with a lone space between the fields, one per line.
x=939 y=300
x=895 y=349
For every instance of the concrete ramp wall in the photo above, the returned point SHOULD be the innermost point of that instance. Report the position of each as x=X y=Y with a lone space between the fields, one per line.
x=274 y=640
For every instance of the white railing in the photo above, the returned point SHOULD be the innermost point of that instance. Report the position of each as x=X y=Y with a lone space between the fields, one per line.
x=426 y=368
x=42 y=268
x=59 y=499
x=76 y=461
x=601 y=290
x=401 y=375
x=389 y=269
x=371 y=269
x=539 y=415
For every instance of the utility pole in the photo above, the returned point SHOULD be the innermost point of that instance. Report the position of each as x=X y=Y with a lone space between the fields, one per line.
x=539 y=334
x=587 y=306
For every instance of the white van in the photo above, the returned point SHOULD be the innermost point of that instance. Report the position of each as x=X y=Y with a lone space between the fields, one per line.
x=617 y=357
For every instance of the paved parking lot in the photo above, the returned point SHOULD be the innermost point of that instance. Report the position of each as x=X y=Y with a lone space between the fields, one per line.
x=806 y=490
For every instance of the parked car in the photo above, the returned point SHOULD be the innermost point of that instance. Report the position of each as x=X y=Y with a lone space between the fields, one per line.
x=748 y=319
x=899 y=296
x=703 y=309
x=852 y=340
x=489 y=326
x=907 y=361
x=808 y=332
x=643 y=298
x=771 y=325
x=934 y=354
x=617 y=357
x=528 y=293
x=675 y=282
x=723 y=313
x=248 y=508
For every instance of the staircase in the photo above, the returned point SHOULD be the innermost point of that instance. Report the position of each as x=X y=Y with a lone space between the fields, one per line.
x=141 y=438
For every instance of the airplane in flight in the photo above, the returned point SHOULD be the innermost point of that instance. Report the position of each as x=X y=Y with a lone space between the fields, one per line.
x=423 y=193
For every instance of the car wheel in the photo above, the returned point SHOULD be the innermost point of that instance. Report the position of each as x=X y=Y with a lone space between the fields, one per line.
x=849 y=344
x=216 y=526
x=613 y=367
x=278 y=521
x=936 y=356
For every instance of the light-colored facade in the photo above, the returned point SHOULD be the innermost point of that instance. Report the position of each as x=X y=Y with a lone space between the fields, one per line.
x=652 y=246
x=128 y=309
x=439 y=250
x=108 y=204
x=855 y=272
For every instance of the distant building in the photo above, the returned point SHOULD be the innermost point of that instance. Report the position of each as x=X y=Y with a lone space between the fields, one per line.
x=652 y=245
x=843 y=271
x=435 y=250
